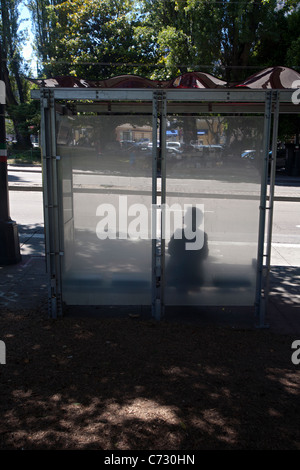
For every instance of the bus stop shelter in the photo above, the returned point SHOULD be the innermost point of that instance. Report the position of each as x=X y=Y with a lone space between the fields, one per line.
x=159 y=195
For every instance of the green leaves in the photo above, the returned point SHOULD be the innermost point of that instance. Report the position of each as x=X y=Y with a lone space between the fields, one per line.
x=86 y=34
x=159 y=39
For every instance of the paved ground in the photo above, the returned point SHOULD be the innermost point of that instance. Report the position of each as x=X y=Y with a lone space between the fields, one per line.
x=24 y=285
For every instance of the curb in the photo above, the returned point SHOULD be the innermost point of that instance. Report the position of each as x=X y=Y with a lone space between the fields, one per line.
x=16 y=187
x=25 y=188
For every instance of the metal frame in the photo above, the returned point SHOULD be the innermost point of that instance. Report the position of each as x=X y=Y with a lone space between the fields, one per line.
x=157 y=102
x=163 y=127
x=259 y=306
x=51 y=203
x=156 y=270
x=270 y=208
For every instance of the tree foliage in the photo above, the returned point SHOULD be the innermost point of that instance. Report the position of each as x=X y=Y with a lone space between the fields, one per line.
x=162 y=38
x=92 y=39
x=225 y=37
x=13 y=69
x=45 y=27
x=157 y=39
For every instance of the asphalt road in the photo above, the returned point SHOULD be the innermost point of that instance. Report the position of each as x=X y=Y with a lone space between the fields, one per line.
x=26 y=207
x=17 y=174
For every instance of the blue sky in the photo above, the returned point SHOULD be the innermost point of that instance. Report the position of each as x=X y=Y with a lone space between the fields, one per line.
x=27 y=47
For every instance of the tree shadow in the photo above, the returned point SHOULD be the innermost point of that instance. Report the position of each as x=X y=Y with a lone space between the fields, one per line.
x=284 y=179
x=284 y=281
x=32 y=236
x=13 y=178
x=25 y=283
x=129 y=384
x=284 y=299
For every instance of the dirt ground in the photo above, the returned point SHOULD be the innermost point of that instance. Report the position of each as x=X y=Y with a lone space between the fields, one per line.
x=132 y=384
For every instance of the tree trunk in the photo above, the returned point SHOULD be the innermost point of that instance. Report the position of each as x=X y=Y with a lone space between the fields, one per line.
x=23 y=141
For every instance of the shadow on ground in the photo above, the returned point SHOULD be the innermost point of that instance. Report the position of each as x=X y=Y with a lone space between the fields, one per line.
x=285 y=280
x=31 y=237
x=284 y=299
x=132 y=384
x=24 y=285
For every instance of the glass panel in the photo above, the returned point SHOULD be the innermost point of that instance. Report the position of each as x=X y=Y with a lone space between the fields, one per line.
x=214 y=165
x=106 y=195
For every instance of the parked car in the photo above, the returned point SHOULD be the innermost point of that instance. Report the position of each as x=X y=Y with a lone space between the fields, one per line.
x=173 y=148
x=206 y=148
x=249 y=154
x=173 y=145
x=143 y=143
x=126 y=144
x=280 y=157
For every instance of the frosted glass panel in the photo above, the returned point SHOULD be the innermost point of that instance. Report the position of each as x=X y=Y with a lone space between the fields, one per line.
x=105 y=170
x=213 y=164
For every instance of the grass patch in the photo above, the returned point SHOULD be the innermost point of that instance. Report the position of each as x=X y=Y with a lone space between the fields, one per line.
x=30 y=156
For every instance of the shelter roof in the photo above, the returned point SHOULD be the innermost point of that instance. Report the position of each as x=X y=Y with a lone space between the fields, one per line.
x=272 y=77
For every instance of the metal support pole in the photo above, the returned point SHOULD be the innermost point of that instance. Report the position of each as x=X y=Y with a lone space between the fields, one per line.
x=156 y=273
x=51 y=204
x=9 y=237
x=259 y=305
x=158 y=243
x=163 y=129
x=271 y=200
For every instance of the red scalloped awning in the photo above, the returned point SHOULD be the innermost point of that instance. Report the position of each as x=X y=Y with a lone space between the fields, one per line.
x=196 y=80
x=272 y=77
x=187 y=80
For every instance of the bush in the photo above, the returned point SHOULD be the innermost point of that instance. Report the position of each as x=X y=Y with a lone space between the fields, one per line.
x=32 y=155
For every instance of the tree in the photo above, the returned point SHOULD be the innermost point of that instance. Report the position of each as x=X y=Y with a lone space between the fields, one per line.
x=17 y=87
x=47 y=29
x=224 y=38
x=279 y=43
x=243 y=24
x=92 y=40
x=182 y=35
x=161 y=39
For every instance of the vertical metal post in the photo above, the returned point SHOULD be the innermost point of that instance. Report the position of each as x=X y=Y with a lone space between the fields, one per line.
x=158 y=245
x=163 y=129
x=259 y=305
x=156 y=311
x=271 y=199
x=51 y=203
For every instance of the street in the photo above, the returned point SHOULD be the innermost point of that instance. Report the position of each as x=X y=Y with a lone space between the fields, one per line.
x=20 y=175
x=26 y=208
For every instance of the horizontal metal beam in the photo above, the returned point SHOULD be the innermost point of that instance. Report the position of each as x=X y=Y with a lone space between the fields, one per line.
x=95 y=94
x=241 y=95
x=223 y=95
x=215 y=108
x=199 y=100
x=181 y=108
x=114 y=108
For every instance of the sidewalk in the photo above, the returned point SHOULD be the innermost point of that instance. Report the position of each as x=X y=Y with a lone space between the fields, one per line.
x=281 y=192
x=25 y=285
